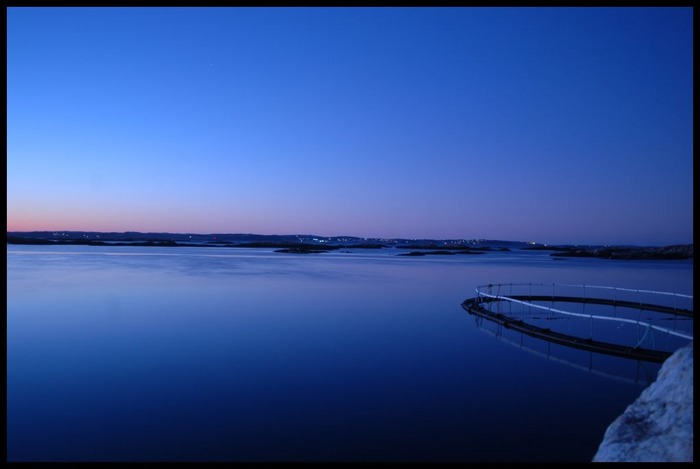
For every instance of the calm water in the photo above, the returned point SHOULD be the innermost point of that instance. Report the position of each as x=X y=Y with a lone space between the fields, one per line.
x=216 y=354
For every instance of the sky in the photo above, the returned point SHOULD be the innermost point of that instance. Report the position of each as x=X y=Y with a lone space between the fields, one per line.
x=552 y=125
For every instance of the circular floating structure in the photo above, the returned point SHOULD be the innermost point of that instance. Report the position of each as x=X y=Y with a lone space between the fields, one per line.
x=637 y=324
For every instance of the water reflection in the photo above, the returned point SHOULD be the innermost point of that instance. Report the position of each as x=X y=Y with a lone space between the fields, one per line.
x=204 y=354
x=621 y=369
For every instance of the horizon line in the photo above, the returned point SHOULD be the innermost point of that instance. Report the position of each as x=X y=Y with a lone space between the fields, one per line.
x=346 y=235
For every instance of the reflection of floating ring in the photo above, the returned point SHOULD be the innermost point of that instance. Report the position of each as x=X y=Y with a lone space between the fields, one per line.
x=481 y=304
x=641 y=372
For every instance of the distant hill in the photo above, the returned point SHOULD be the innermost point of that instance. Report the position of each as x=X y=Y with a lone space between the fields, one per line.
x=309 y=243
x=248 y=240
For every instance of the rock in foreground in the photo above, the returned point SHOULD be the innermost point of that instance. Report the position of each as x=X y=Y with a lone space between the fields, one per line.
x=658 y=426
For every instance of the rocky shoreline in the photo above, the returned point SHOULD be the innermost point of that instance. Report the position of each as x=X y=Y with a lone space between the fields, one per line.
x=658 y=425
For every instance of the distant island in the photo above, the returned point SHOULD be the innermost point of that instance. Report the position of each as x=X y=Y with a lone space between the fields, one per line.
x=313 y=244
x=678 y=251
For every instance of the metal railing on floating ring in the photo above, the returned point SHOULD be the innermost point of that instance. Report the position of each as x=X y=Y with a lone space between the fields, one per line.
x=519 y=299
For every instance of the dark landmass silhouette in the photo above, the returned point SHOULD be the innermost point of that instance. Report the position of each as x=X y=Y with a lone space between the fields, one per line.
x=314 y=244
x=677 y=251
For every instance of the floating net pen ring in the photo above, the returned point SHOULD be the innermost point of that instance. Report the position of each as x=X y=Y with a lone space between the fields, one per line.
x=487 y=304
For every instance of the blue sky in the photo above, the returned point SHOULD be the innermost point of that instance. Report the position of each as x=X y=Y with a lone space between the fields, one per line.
x=555 y=125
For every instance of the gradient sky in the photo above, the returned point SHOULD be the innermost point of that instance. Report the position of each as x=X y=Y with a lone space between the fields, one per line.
x=555 y=125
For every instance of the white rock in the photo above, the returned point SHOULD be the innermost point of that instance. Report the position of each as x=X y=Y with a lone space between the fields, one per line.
x=658 y=426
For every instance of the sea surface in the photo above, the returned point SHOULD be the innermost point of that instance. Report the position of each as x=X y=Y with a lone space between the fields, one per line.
x=234 y=354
